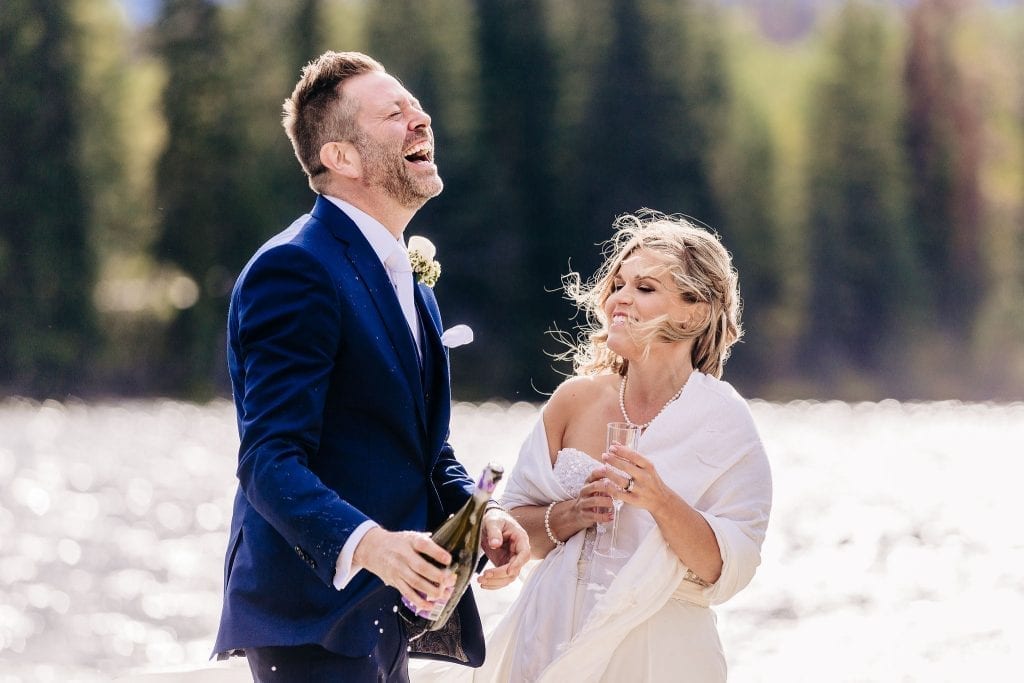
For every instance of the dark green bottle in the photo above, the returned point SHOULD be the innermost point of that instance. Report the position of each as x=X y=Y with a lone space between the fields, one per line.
x=460 y=536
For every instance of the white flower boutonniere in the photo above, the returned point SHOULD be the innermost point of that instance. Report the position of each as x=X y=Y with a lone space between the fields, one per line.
x=421 y=256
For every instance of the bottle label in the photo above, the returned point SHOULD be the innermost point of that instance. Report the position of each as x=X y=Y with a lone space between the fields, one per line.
x=432 y=615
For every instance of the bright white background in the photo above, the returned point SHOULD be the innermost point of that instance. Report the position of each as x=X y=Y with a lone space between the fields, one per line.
x=895 y=550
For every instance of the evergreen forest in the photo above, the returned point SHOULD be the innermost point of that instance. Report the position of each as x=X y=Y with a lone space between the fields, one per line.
x=862 y=160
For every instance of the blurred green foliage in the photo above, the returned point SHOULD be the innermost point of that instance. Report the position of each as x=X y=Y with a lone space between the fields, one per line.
x=48 y=328
x=864 y=162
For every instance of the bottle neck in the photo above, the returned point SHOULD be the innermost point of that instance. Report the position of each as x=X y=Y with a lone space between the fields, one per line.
x=483 y=493
x=485 y=486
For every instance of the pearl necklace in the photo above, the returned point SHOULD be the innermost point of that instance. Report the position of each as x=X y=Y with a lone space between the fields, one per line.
x=625 y=415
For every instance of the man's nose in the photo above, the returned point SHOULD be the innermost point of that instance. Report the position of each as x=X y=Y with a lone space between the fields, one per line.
x=420 y=119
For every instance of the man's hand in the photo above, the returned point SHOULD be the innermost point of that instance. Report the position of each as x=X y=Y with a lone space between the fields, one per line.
x=506 y=545
x=395 y=557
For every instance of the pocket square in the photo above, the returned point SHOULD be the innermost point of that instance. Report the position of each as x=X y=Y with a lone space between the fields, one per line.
x=457 y=336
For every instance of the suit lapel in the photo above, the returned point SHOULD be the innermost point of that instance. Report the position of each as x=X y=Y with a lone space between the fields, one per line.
x=381 y=292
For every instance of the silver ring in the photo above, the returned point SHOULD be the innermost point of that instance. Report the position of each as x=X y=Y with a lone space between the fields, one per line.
x=629 y=485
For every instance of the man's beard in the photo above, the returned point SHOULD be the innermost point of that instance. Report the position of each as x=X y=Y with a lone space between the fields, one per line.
x=386 y=170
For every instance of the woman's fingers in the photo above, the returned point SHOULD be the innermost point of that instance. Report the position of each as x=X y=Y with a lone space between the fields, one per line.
x=596 y=508
x=626 y=458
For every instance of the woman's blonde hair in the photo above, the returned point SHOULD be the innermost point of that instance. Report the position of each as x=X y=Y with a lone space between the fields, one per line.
x=701 y=269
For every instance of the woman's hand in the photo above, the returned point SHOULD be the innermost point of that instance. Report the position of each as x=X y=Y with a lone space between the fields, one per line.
x=594 y=505
x=632 y=478
x=506 y=545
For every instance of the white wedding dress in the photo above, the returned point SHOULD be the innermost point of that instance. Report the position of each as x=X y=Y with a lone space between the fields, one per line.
x=585 y=617
x=680 y=637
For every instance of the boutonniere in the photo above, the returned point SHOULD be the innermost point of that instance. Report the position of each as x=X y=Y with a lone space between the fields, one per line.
x=421 y=256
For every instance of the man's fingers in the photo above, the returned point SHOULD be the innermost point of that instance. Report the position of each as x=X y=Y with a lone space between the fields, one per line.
x=423 y=544
x=413 y=599
x=429 y=579
x=421 y=581
x=430 y=591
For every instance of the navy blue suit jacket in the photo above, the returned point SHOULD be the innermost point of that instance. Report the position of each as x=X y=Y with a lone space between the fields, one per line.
x=338 y=425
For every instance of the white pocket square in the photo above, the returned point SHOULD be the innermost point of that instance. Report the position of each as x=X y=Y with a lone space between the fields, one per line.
x=457 y=336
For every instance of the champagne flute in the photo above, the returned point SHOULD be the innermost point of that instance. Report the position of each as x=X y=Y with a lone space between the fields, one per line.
x=624 y=434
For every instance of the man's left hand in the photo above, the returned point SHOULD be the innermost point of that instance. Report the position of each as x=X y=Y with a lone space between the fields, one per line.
x=506 y=545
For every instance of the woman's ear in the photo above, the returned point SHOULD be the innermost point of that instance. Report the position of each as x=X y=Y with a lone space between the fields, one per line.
x=698 y=316
x=341 y=158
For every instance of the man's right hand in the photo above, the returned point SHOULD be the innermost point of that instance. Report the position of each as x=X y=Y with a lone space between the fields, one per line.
x=395 y=557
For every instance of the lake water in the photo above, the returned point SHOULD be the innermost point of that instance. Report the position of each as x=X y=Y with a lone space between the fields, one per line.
x=895 y=550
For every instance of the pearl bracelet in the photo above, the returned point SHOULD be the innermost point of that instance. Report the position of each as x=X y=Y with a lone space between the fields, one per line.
x=547 y=525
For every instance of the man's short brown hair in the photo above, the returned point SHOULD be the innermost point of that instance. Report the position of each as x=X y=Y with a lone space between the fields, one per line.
x=316 y=113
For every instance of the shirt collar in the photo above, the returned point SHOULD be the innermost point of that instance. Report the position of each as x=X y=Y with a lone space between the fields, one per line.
x=379 y=237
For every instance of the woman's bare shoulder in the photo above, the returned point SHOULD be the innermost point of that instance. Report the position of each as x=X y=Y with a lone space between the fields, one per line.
x=578 y=390
x=573 y=396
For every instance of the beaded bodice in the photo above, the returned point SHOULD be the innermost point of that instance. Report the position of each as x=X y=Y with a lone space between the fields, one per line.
x=572 y=467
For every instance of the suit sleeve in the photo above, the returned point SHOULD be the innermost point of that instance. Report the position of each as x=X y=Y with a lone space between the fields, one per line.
x=288 y=321
x=454 y=486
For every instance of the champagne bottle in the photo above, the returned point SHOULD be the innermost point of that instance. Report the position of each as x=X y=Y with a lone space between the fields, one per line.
x=460 y=536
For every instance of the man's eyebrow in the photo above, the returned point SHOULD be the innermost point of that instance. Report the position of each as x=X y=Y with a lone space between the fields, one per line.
x=401 y=101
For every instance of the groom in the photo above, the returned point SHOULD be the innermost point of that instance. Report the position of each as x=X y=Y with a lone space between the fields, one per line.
x=342 y=393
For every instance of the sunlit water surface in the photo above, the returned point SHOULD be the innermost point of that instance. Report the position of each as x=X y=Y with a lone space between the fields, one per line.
x=895 y=550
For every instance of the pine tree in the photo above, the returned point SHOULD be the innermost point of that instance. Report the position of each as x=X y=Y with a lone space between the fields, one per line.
x=754 y=234
x=307 y=31
x=944 y=149
x=270 y=182
x=205 y=220
x=524 y=238
x=120 y=139
x=866 y=290
x=654 y=113
x=47 y=269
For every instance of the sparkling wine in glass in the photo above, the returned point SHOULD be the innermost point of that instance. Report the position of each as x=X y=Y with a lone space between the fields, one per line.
x=624 y=434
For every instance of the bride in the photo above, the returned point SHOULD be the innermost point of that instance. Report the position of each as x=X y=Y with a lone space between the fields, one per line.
x=663 y=313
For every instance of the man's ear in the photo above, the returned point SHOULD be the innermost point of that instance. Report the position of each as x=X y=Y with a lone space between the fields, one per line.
x=341 y=158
